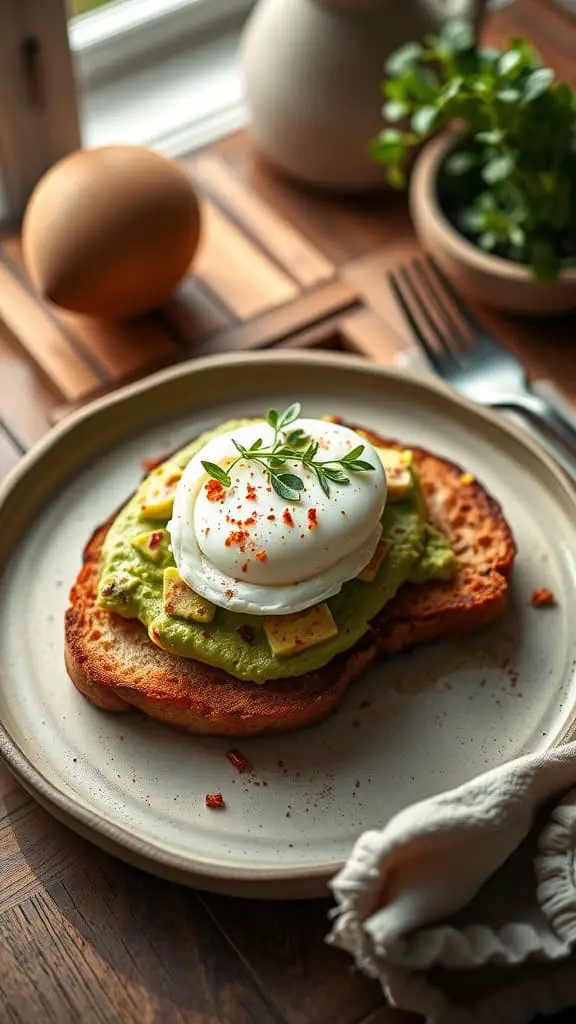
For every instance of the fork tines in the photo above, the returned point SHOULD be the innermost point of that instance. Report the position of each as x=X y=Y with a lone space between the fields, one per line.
x=442 y=323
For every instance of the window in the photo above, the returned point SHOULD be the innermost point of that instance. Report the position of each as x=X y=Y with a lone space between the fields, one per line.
x=162 y=73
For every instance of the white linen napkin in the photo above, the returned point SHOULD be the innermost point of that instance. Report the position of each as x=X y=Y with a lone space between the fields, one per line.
x=464 y=905
x=482 y=875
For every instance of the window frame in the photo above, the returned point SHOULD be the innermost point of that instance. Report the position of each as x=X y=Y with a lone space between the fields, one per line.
x=38 y=110
x=107 y=40
x=40 y=95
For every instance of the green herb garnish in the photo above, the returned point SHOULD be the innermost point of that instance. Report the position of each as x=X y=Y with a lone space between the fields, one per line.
x=292 y=446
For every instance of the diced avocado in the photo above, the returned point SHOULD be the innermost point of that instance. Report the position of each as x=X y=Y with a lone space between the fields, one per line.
x=368 y=574
x=183 y=602
x=152 y=544
x=158 y=497
x=398 y=468
x=290 y=634
x=116 y=593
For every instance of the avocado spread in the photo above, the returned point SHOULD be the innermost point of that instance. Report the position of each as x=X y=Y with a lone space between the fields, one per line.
x=136 y=553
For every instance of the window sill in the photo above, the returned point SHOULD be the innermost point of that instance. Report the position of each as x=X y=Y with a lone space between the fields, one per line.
x=183 y=100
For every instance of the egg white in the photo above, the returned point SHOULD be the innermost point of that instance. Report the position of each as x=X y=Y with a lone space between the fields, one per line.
x=301 y=561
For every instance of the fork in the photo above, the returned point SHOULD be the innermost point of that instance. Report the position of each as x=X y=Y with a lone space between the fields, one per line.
x=464 y=353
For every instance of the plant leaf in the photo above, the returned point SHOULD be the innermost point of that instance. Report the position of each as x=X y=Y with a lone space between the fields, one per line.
x=311 y=451
x=459 y=163
x=491 y=138
x=508 y=95
x=323 y=482
x=217 y=473
x=423 y=120
x=289 y=415
x=517 y=236
x=337 y=475
x=257 y=444
x=240 y=448
x=282 y=489
x=498 y=168
x=403 y=59
x=272 y=418
x=509 y=61
x=395 y=110
x=354 y=453
x=291 y=480
x=297 y=437
x=488 y=240
x=359 y=466
x=457 y=36
x=545 y=260
x=537 y=83
x=396 y=176
x=275 y=463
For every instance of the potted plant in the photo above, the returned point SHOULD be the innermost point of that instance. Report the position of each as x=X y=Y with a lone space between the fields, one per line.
x=493 y=196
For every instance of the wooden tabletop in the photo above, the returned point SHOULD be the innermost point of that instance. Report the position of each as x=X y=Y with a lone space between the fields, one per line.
x=83 y=937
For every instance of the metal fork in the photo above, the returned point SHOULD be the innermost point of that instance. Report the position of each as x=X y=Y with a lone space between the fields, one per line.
x=464 y=353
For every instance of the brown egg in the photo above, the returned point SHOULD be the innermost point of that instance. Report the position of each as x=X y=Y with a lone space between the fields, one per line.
x=109 y=232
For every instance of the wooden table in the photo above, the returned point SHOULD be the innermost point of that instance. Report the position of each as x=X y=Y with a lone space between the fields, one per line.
x=84 y=937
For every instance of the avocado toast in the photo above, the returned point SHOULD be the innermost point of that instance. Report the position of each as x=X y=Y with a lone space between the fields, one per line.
x=188 y=671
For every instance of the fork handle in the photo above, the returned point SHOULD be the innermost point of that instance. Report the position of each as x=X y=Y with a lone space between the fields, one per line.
x=543 y=413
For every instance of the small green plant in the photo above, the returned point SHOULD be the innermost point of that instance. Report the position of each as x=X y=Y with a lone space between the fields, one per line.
x=509 y=184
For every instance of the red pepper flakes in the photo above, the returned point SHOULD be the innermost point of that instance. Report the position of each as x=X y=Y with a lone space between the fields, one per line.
x=262 y=556
x=542 y=598
x=247 y=633
x=214 y=801
x=312 y=519
x=271 y=518
x=150 y=464
x=287 y=517
x=250 y=492
x=228 y=594
x=245 y=567
x=250 y=521
x=239 y=761
x=238 y=537
x=214 y=490
x=155 y=540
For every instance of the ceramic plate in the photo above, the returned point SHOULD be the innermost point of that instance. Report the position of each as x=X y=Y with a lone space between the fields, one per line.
x=409 y=728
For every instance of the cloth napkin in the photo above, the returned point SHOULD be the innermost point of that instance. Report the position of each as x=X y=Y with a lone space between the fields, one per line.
x=464 y=905
x=447 y=900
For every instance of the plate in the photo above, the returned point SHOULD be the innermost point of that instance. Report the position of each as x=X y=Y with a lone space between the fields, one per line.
x=409 y=728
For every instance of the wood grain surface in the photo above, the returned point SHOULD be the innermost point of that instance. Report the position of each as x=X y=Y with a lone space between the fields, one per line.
x=83 y=937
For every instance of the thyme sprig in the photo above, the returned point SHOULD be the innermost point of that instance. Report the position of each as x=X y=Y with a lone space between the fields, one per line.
x=292 y=446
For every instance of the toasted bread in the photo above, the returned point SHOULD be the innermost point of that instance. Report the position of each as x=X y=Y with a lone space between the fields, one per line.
x=114 y=665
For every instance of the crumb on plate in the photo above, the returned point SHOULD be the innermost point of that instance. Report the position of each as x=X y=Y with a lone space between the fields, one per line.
x=214 y=801
x=542 y=598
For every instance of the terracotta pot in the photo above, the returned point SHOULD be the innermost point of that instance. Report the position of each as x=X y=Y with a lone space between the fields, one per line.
x=488 y=279
x=312 y=72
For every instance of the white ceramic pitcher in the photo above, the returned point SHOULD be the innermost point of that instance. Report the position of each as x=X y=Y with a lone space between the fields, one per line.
x=312 y=73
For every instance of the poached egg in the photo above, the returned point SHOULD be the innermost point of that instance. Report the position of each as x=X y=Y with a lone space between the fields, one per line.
x=247 y=549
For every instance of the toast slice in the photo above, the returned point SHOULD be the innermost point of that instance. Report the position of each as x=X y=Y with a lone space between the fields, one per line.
x=114 y=665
